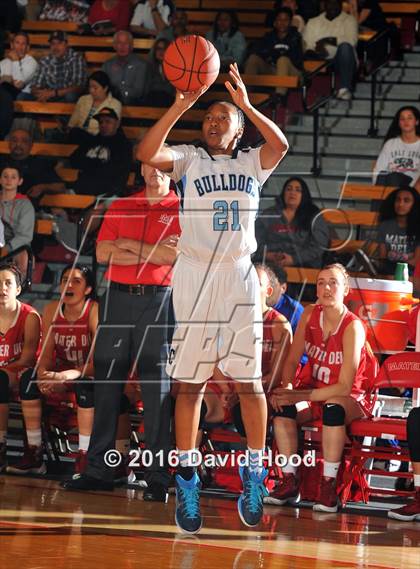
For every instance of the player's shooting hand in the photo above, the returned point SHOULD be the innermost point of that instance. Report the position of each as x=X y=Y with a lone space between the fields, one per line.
x=238 y=90
x=185 y=100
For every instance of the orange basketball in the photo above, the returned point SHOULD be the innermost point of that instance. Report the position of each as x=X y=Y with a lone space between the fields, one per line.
x=191 y=62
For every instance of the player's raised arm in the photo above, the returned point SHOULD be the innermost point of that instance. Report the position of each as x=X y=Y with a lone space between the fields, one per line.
x=276 y=145
x=151 y=149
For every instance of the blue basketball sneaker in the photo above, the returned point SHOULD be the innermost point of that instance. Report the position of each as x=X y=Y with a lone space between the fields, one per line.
x=187 y=512
x=250 y=503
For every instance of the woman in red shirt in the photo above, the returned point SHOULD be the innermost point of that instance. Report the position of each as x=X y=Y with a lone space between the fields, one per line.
x=334 y=341
x=115 y=13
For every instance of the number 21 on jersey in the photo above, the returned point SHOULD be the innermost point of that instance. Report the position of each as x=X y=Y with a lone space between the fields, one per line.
x=226 y=216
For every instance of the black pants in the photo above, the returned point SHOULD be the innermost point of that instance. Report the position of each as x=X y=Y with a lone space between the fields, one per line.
x=131 y=329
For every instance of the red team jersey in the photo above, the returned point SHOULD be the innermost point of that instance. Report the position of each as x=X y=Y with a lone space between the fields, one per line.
x=267 y=347
x=72 y=340
x=325 y=358
x=11 y=343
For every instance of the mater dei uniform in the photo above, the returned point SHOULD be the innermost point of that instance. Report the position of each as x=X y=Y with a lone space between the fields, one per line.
x=216 y=290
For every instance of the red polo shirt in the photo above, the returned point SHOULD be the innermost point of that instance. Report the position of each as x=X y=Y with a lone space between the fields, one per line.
x=135 y=218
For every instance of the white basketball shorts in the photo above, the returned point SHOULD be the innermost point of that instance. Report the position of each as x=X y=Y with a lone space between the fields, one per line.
x=218 y=321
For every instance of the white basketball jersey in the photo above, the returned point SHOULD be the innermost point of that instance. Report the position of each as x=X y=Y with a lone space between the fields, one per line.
x=219 y=197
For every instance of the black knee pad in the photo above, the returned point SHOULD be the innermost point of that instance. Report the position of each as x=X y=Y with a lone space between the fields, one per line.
x=84 y=393
x=124 y=404
x=4 y=387
x=203 y=413
x=288 y=412
x=237 y=419
x=28 y=386
x=333 y=415
x=413 y=434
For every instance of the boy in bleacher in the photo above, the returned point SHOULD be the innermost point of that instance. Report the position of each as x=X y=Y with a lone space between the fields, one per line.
x=17 y=214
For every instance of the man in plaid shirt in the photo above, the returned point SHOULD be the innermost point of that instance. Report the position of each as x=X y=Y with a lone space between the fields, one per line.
x=62 y=75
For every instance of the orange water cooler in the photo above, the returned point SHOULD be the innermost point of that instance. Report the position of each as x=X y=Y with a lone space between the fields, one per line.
x=383 y=306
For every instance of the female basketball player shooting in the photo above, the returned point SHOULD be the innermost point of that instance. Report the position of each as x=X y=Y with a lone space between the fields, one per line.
x=215 y=288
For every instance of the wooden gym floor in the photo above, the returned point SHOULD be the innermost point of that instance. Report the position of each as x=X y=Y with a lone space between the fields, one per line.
x=42 y=526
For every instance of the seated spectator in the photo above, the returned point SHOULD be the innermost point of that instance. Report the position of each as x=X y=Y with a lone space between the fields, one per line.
x=279 y=300
x=399 y=229
x=61 y=75
x=278 y=52
x=65 y=10
x=151 y=17
x=126 y=71
x=21 y=329
x=88 y=105
x=228 y=39
x=17 y=214
x=18 y=68
x=104 y=159
x=297 y=21
x=178 y=26
x=399 y=160
x=109 y=16
x=333 y=35
x=160 y=93
x=292 y=233
x=416 y=280
x=38 y=173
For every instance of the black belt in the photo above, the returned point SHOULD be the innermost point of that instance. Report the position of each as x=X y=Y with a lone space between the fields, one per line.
x=139 y=289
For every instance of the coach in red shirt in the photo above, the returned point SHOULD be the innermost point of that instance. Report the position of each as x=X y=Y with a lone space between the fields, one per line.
x=137 y=241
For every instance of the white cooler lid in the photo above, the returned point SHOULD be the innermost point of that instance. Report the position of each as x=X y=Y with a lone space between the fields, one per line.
x=381 y=285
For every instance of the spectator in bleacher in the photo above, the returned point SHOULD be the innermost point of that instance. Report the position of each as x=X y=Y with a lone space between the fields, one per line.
x=103 y=159
x=87 y=106
x=292 y=232
x=297 y=21
x=65 y=10
x=228 y=39
x=61 y=75
x=17 y=214
x=399 y=160
x=38 y=173
x=333 y=35
x=18 y=68
x=109 y=16
x=126 y=71
x=416 y=280
x=151 y=17
x=279 y=300
x=20 y=326
x=278 y=52
x=399 y=229
x=178 y=26
x=160 y=93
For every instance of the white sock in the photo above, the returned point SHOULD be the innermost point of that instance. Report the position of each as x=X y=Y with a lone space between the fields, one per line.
x=189 y=458
x=289 y=469
x=417 y=481
x=123 y=446
x=2 y=437
x=34 y=437
x=256 y=460
x=331 y=469
x=84 y=441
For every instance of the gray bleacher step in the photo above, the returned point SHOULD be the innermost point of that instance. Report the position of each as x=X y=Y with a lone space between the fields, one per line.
x=408 y=92
x=352 y=145
x=339 y=125
x=361 y=107
x=344 y=166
